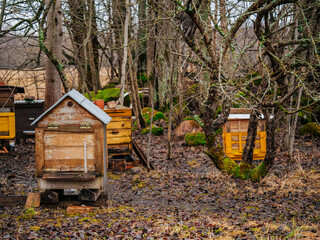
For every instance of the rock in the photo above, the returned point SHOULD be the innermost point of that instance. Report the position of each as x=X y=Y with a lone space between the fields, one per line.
x=187 y=126
x=136 y=170
x=311 y=128
x=111 y=104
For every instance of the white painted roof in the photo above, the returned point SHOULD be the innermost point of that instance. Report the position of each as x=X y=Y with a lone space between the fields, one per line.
x=234 y=116
x=84 y=102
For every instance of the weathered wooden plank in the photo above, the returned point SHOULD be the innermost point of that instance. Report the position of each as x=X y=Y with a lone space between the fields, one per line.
x=120 y=119
x=56 y=152
x=67 y=139
x=119 y=125
x=118 y=112
x=141 y=154
x=98 y=134
x=39 y=158
x=66 y=115
x=12 y=201
x=69 y=177
x=118 y=133
x=68 y=165
x=119 y=140
x=95 y=184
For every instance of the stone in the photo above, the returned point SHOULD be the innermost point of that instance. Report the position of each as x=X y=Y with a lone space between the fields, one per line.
x=187 y=126
x=136 y=170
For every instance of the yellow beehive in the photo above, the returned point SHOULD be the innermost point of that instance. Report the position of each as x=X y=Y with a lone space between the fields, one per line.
x=119 y=131
x=235 y=135
x=7 y=125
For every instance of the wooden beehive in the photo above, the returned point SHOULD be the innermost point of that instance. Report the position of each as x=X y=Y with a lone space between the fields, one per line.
x=7 y=116
x=235 y=135
x=26 y=112
x=7 y=125
x=7 y=97
x=70 y=149
x=119 y=131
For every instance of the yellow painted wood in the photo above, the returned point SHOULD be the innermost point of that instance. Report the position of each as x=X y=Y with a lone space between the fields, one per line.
x=235 y=142
x=7 y=124
x=119 y=125
x=119 y=130
x=112 y=133
x=118 y=140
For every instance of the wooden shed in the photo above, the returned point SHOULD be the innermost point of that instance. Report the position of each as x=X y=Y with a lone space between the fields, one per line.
x=235 y=135
x=71 y=150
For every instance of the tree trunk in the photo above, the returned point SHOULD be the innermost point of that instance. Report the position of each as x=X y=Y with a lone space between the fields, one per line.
x=247 y=154
x=53 y=44
x=125 y=52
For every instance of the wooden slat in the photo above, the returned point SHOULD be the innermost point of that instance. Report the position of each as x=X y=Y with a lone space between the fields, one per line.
x=120 y=119
x=98 y=135
x=68 y=165
x=39 y=136
x=56 y=153
x=141 y=154
x=118 y=133
x=68 y=139
x=69 y=177
x=119 y=125
x=118 y=140
x=118 y=112
x=12 y=201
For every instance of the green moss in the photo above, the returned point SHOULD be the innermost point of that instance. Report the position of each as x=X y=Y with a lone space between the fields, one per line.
x=158 y=116
x=258 y=172
x=188 y=118
x=195 y=139
x=311 y=128
x=108 y=94
x=146 y=114
x=155 y=130
x=229 y=166
x=243 y=171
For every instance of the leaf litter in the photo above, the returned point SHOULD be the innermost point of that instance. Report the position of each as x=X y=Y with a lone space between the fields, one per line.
x=184 y=198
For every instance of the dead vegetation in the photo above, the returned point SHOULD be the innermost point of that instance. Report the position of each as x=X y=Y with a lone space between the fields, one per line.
x=182 y=199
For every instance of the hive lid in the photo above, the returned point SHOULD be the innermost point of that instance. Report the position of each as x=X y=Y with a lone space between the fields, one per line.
x=84 y=102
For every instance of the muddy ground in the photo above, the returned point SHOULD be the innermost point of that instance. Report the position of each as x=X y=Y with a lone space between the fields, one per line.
x=184 y=198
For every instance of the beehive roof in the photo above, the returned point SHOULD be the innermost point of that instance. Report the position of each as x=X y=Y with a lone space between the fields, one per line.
x=84 y=102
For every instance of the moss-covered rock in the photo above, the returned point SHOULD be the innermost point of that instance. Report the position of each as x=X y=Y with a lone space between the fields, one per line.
x=311 y=128
x=155 y=130
x=195 y=139
x=146 y=114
